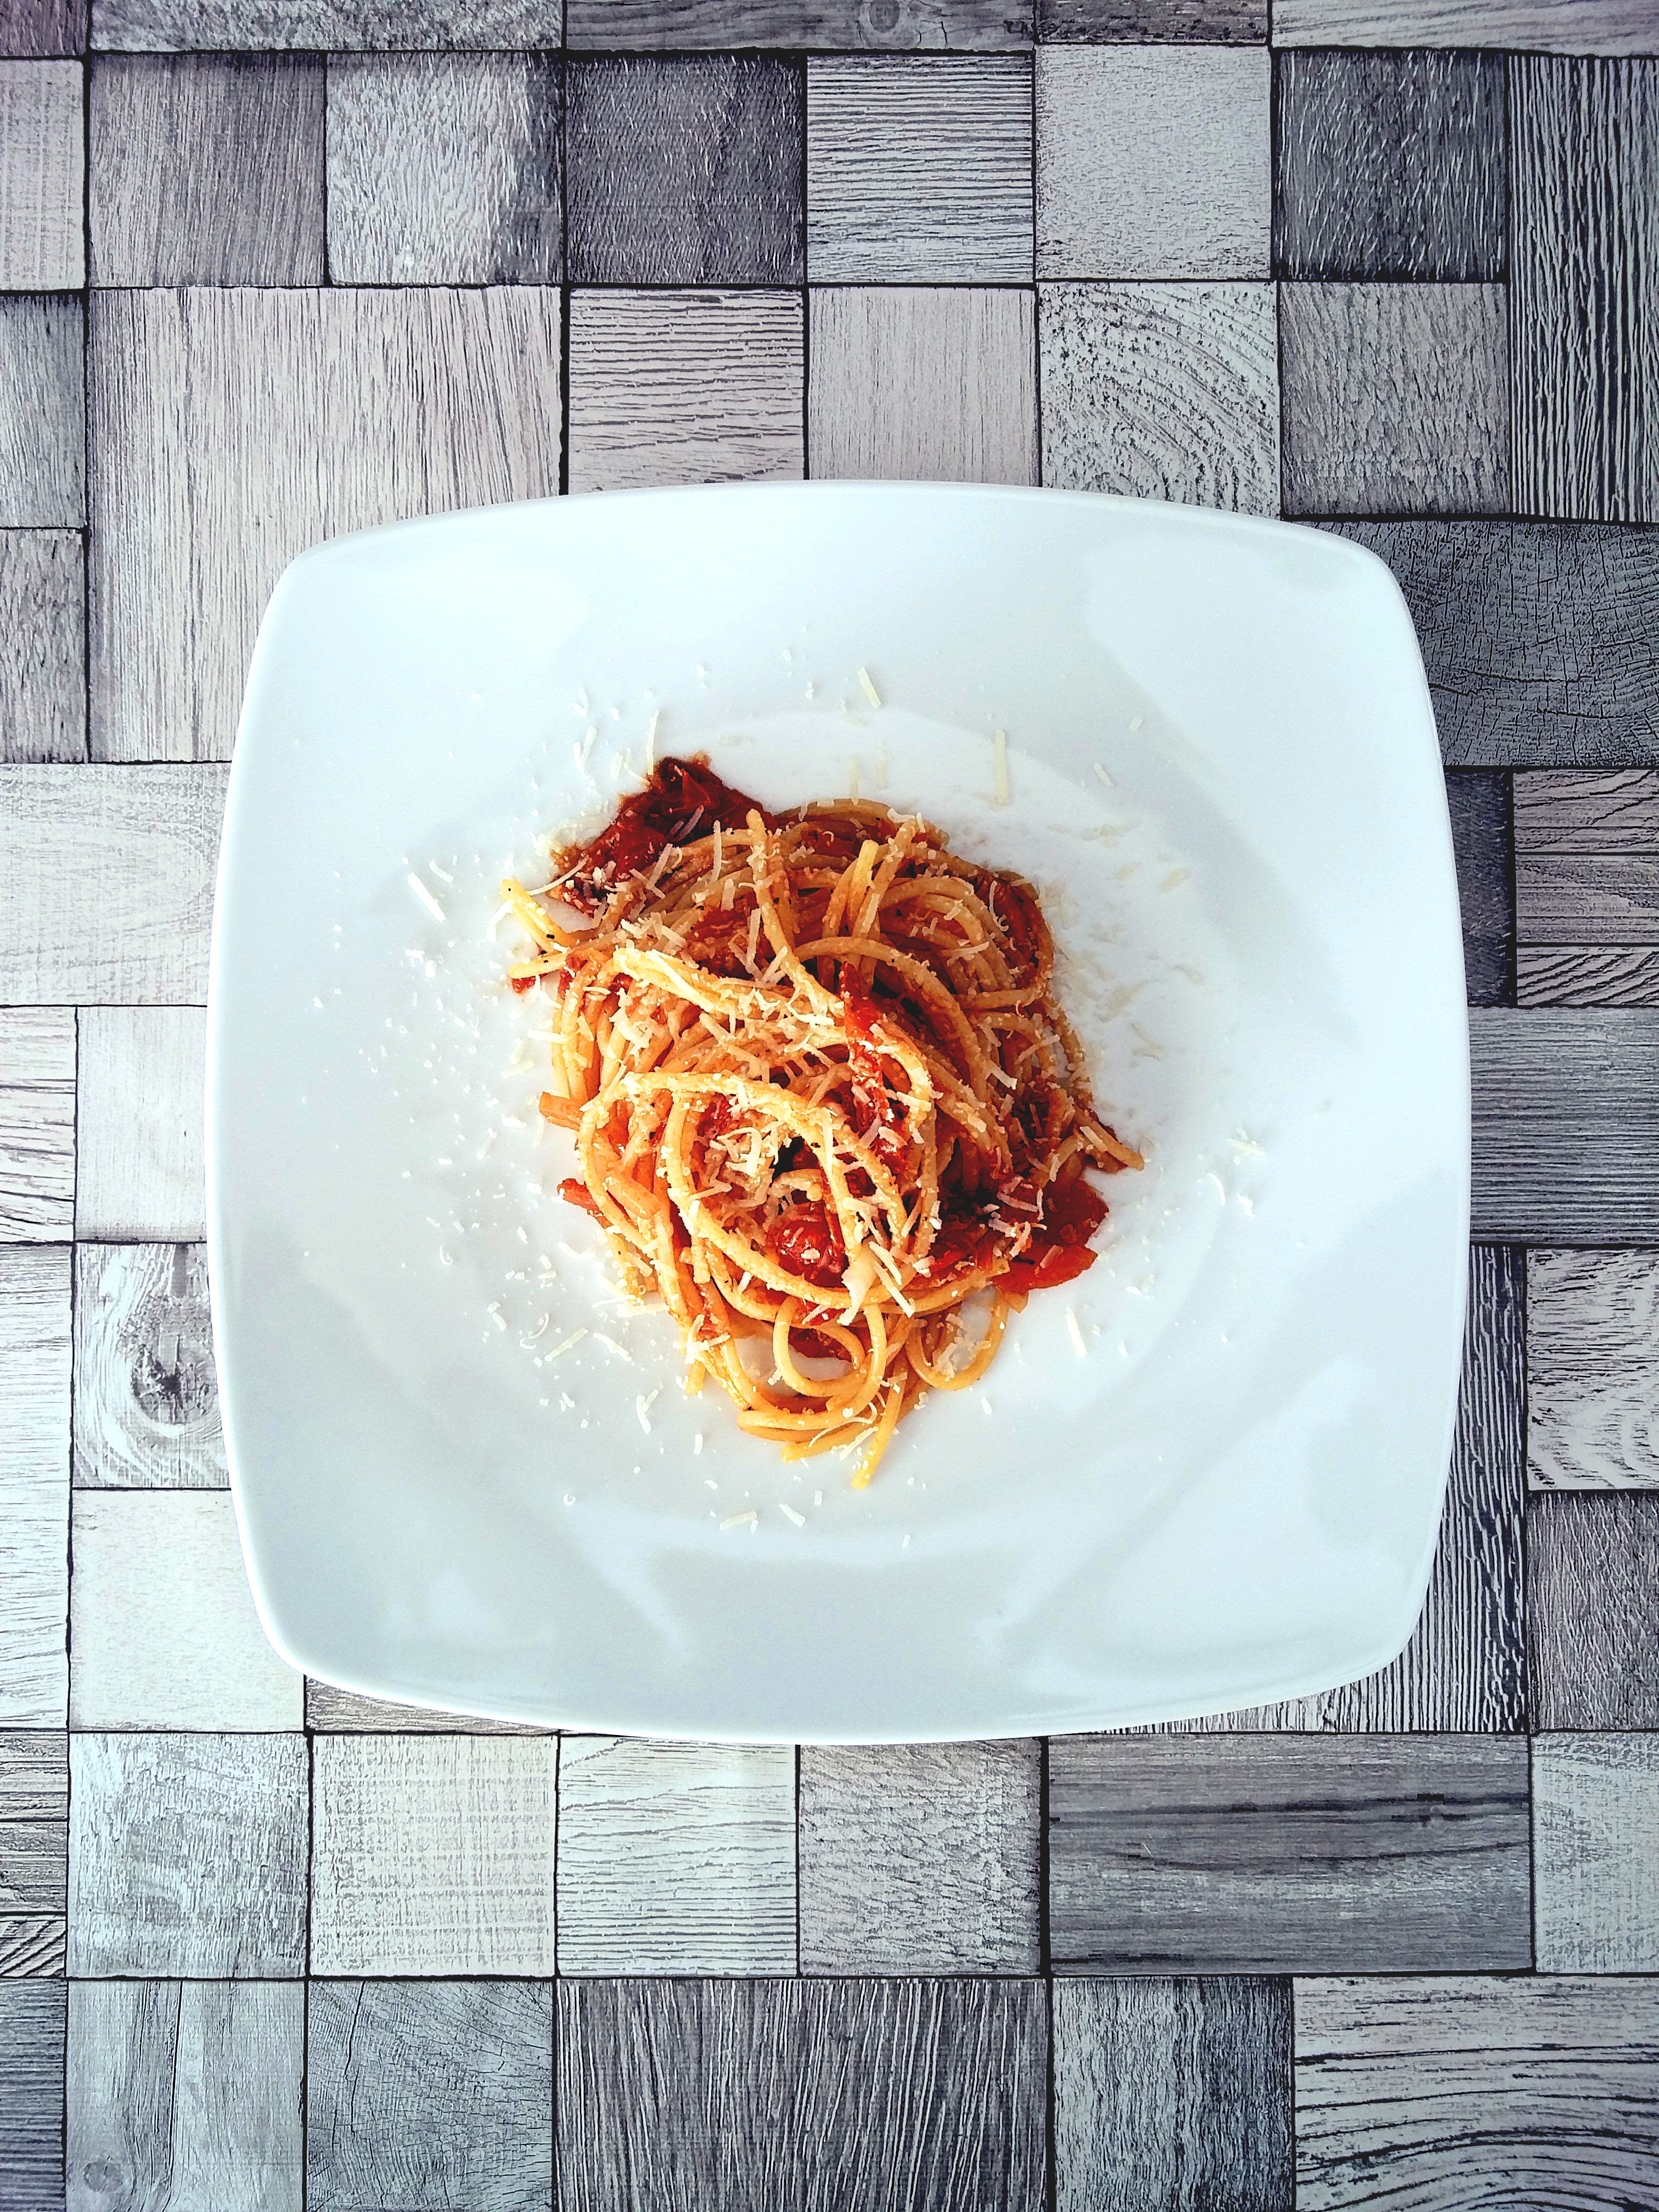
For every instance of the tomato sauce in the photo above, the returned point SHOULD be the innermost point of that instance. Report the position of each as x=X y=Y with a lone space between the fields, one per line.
x=873 y=1101
x=1060 y=1250
x=578 y=1194
x=683 y=801
x=808 y=1244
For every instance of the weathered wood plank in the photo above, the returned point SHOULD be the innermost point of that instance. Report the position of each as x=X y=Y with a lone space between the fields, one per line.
x=1593 y=1609
x=1390 y=166
x=1396 y=397
x=699 y=2096
x=34 y=1414
x=685 y=388
x=432 y=2093
x=1484 y=845
x=1584 y=261
x=140 y=1079
x=330 y=1711
x=32 y=2093
x=1596 y=1853
x=936 y=385
x=44 y=27
x=920 y=1859
x=1566 y=1114
x=33 y=1774
x=1562 y=26
x=1592 y=1369
x=1573 y=898
x=37 y=1125
x=1176 y=2094
x=432 y=1854
x=353 y=25
x=187 y=1855
x=1570 y=975
x=42 y=674
x=146 y=1396
x=42 y=177
x=676 y=1857
x=1567 y=811
x=1153 y=23
x=1264 y=1854
x=1442 y=2091
x=1162 y=390
x=1153 y=161
x=33 y=1945
x=42 y=412
x=34 y=1866
x=890 y=26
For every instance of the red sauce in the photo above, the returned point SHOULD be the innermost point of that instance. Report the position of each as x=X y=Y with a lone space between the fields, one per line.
x=1015 y=909
x=683 y=801
x=579 y=1194
x=873 y=1102
x=1060 y=1249
x=524 y=982
x=956 y=1245
x=808 y=1244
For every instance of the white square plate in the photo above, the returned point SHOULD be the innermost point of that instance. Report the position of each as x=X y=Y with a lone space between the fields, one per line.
x=1222 y=769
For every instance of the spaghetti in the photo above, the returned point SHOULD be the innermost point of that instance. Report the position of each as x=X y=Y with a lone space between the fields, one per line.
x=826 y=1105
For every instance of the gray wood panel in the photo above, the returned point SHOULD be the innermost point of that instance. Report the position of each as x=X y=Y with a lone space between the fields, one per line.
x=1262 y=1854
x=1390 y=166
x=1563 y=27
x=1592 y=1369
x=44 y=27
x=146 y=1395
x=33 y=1945
x=1584 y=261
x=920 y=1859
x=1572 y=899
x=33 y=1774
x=444 y=169
x=1566 y=1116
x=330 y=1711
x=166 y=25
x=1593 y=1609
x=434 y=2095
x=34 y=1866
x=1596 y=1853
x=42 y=412
x=1568 y=810
x=1571 y=976
x=139 y=1170
x=1396 y=397
x=42 y=177
x=34 y=1411
x=33 y=1854
x=1442 y=2093
x=893 y=26
x=37 y=1125
x=206 y=170
x=1176 y=2094
x=43 y=672
x=1482 y=844
x=185 y=2092
x=32 y=2094
x=1153 y=23
x=820 y=2095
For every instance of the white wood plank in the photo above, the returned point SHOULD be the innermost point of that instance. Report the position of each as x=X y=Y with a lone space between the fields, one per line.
x=42 y=177
x=43 y=617
x=164 y=25
x=146 y=1395
x=141 y=1075
x=1592 y=1369
x=1550 y=26
x=1596 y=1853
x=33 y=1774
x=37 y=1125
x=34 y=1416
x=42 y=412
x=331 y=1711
x=32 y=2092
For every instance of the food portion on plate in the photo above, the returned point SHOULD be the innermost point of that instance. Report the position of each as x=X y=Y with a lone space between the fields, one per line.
x=826 y=1105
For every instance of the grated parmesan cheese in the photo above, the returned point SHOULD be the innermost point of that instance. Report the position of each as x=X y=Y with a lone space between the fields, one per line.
x=426 y=898
x=442 y=875
x=1074 y=1331
x=651 y=742
x=496 y=1313
x=789 y=1512
x=868 y=688
x=642 y=1405
x=569 y=1344
x=999 y=765
x=740 y=1520
x=612 y=1344
x=697 y=1445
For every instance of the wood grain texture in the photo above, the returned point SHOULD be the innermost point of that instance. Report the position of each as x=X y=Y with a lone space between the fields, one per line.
x=140 y=1072
x=1584 y=286
x=42 y=412
x=206 y=170
x=685 y=388
x=1483 y=843
x=43 y=617
x=432 y=1854
x=232 y=429
x=1390 y=166
x=889 y=26
x=146 y=1396
x=429 y=2095
x=920 y=1859
x=684 y=172
x=1570 y=811
x=444 y=169
x=1396 y=396
x=1607 y=898
x=33 y=1946
x=187 y=1855
x=1443 y=2093
x=676 y=1857
x=1570 y=975
x=1261 y=1854
x=184 y=2093
x=32 y=2094
x=34 y=1866
x=330 y=1711
x=1562 y=26
x=42 y=177
x=34 y=1410
x=1153 y=161
x=918 y=171
x=1593 y=1610
x=44 y=27
x=936 y=385
x=1162 y=390
x=188 y=26
x=37 y=1125
x=1172 y=2093
x=1592 y=1369
x=33 y=1774
x=1153 y=23
x=819 y=2095
x=1596 y=1853
x=1566 y=1113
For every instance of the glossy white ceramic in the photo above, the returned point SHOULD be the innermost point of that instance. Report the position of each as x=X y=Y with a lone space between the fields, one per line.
x=1222 y=768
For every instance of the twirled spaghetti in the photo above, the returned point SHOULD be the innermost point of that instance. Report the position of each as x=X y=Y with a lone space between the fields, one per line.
x=826 y=1105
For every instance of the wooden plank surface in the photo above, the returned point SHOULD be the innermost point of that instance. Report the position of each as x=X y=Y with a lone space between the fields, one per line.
x=1603 y=899
x=33 y=1774
x=700 y=2096
x=1153 y=23
x=1441 y=2092
x=44 y=27
x=146 y=1395
x=37 y=1125
x=685 y=388
x=33 y=1945
x=140 y=1075
x=676 y=1857
x=42 y=177
x=1152 y=162
x=1570 y=811
x=1396 y=397
x=1563 y=27
x=1596 y=1853
x=34 y=1866
x=1483 y=845
x=1592 y=1369
x=1566 y=1114
x=34 y=1407
x=42 y=412
x=33 y=1854
x=187 y=1855
x=1162 y=390
x=934 y=384
x=32 y=2093
x=185 y=2092
x=1593 y=1609
x=332 y=1711
x=1390 y=166
x=1263 y=1854
x=1584 y=226
x=1176 y=2094
x=43 y=617
x=920 y=1859
x=429 y=2095
x=165 y=26
x=1576 y=976
x=891 y=25
x=444 y=169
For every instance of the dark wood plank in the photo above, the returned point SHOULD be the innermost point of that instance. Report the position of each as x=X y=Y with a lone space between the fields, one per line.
x=1570 y=975
x=1583 y=277
x=685 y=172
x=43 y=27
x=1172 y=2095
x=1483 y=842
x=1592 y=1369
x=43 y=672
x=1566 y=810
x=33 y=1774
x=146 y=1395
x=1567 y=1126
x=432 y=2093
x=816 y=2095
x=42 y=177
x=34 y=1404
x=891 y=25
x=43 y=411
x=37 y=1125
x=1570 y=898
x=1396 y=399
x=1282 y=1854
x=329 y=1711
x=34 y=1866
x=32 y=2015
x=1596 y=1853
x=351 y=26
x=1152 y=23
x=1593 y=1609
x=33 y=1945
